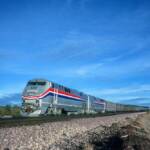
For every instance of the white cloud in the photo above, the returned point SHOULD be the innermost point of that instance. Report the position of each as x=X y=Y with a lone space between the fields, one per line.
x=3 y=95
x=107 y=68
x=126 y=90
x=88 y=69
x=11 y=89
x=122 y=93
x=15 y=102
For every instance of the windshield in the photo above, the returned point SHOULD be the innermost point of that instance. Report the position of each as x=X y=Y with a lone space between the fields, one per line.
x=35 y=87
x=36 y=83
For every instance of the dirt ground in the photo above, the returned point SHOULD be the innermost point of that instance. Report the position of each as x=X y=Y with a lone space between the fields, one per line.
x=42 y=136
x=132 y=135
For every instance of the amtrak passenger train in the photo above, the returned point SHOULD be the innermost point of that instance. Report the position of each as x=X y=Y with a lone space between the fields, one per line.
x=41 y=96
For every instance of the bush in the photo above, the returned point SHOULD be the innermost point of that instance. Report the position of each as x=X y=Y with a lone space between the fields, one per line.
x=9 y=110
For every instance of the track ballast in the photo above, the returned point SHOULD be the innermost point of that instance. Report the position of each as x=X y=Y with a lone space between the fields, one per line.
x=24 y=121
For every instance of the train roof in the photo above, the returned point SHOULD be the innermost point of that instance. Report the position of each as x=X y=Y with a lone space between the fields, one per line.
x=38 y=80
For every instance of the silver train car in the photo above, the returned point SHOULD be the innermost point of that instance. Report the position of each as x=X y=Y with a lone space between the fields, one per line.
x=42 y=97
x=45 y=97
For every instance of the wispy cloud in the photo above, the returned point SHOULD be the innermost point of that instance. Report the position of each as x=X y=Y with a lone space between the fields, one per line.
x=75 y=46
x=109 y=68
x=2 y=95
x=122 y=93
x=123 y=90
x=6 y=95
x=13 y=99
x=96 y=44
x=87 y=69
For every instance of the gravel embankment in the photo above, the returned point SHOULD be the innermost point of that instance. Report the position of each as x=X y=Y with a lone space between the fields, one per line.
x=40 y=137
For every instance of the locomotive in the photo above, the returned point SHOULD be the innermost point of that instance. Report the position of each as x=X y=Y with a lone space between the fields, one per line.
x=42 y=97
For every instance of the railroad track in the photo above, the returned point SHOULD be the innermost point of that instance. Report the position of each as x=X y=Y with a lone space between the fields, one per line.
x=23 y=121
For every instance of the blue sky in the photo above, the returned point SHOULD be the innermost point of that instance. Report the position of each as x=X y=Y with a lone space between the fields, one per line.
x=101 y=47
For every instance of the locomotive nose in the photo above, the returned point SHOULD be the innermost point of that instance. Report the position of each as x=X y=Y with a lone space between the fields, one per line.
x=28 y=109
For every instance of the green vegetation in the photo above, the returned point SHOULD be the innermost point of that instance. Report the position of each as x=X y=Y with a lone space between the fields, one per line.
x=9 y=110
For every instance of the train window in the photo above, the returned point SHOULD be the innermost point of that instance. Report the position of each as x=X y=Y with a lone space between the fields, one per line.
x=61 y=87
x=31 y=83
x=52 y=85
x=41 y=83
x=65 y=89
x=68 y=90
x=36 y=83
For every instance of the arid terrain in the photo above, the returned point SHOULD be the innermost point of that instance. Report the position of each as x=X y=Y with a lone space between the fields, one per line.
x=85 y=133
x=132 y=134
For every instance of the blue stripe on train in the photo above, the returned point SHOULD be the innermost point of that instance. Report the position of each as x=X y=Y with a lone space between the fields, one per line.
x=62 y=96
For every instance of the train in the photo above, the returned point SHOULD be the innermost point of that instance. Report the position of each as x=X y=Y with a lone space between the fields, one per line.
x=43 y=97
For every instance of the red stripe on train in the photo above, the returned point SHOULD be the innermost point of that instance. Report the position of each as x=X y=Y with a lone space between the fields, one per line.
x=53 y=91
